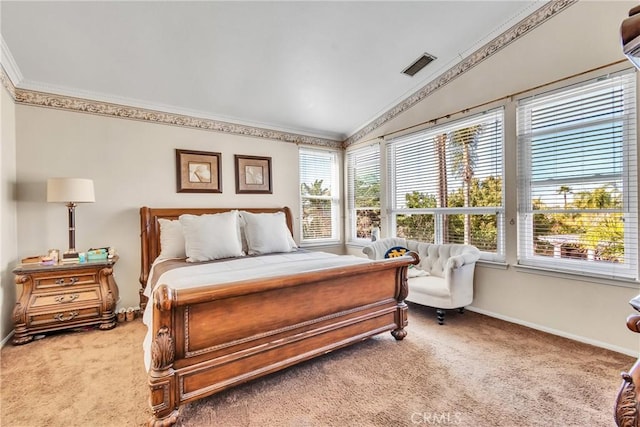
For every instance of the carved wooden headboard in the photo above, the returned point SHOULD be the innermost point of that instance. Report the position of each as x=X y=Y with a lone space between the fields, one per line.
x=150 y=229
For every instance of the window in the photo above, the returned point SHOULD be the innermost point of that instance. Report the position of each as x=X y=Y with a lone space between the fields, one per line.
x=445 y=184
x=363 y=192
x=578 y=191
x=319 y=196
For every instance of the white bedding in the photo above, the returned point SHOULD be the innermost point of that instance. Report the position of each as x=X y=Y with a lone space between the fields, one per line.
x=238 y=269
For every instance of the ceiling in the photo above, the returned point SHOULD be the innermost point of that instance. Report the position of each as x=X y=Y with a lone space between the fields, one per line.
x=315 y=68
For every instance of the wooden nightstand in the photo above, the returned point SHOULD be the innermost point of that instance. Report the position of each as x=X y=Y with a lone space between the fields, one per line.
x=64 y=296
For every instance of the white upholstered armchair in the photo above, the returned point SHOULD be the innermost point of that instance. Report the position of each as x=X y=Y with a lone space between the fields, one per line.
x=443 y=278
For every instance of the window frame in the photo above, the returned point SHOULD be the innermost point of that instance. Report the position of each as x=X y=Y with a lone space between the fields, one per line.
x=351 y=157
x=440 y=213
x=526 y=256
x=333 y=157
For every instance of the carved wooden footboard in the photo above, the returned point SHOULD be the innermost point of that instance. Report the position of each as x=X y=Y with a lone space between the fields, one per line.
x=210 y=338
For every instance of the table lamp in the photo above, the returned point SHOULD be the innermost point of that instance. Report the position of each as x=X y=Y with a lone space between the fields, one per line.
x=70 y=191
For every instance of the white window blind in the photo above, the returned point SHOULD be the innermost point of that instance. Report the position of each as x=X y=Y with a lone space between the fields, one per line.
x=363 y=191
x=445 y=183
x=578 y=208
x=319 y=195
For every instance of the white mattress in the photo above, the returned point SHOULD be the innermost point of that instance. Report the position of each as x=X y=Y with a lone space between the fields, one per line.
x=238 y=269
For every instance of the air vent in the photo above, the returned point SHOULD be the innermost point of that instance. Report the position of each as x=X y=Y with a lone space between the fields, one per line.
x=418 y=64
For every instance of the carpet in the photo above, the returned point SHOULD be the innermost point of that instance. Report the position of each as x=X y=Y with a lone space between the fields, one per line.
x=473 y=371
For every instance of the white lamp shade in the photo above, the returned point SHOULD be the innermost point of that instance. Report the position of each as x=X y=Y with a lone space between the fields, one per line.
x=70 y=190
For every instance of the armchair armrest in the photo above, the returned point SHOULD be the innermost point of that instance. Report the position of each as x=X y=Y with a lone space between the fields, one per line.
x=468 y=257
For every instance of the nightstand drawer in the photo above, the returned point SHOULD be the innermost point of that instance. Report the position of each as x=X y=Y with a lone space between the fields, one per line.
x=82 y=295
x=65 y=279
x=64 y=316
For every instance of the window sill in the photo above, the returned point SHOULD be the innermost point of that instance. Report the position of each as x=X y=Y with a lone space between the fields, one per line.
x=320 y=243
x=358 y=244
x=582 y=277
x=492 y=264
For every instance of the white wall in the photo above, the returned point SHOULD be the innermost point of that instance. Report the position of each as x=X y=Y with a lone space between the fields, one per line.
x=8 y=236
x=132 y=164
x=582 y=38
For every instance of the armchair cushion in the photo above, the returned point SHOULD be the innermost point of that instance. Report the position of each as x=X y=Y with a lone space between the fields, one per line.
x=430 y=285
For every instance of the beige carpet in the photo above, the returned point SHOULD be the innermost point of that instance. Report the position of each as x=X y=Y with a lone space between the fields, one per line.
x=474 y=371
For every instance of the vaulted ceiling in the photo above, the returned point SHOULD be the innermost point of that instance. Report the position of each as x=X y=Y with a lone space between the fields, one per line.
x=324 y=69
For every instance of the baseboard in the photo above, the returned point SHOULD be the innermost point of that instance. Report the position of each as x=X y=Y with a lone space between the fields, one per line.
x=557 y=332
x=7 y=338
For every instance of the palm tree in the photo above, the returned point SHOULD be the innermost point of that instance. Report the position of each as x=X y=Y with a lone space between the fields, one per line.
x=463 y=143
x=564 y=190
x=315 y=189
x=441 y=153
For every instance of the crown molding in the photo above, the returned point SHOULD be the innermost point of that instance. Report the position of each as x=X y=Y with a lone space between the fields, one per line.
x=9 y=64
x=532 y=21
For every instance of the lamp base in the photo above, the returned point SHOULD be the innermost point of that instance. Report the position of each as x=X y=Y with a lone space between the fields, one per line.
x=70 y=257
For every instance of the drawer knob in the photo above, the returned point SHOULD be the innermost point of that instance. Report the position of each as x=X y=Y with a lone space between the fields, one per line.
x=60 y=317
x=62 y=282
x=66 y=298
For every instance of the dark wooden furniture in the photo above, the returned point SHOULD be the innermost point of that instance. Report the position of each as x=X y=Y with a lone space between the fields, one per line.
x=64 y=296
x=211 y=338
x=627 y=408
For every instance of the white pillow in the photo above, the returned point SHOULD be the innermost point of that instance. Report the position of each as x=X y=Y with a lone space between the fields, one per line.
x=212 y=236
x=267 y=233
x=171 y=239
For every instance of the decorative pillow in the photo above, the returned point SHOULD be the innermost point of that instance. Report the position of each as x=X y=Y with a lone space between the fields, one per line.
x=396 y=251
x=267 y=233
x=171 y=239
x=211 y=236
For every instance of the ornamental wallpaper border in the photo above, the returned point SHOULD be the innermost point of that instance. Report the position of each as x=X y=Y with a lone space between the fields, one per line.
x=62 y=102
x=523 y=27
x=49 y=100
x=7 y=83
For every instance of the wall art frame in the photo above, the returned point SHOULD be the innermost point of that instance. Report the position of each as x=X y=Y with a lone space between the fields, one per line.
x=198 y=171
x=253 y=174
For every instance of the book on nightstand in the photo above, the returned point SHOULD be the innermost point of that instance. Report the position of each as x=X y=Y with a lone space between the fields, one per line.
x=31 y=259
x=97 y=254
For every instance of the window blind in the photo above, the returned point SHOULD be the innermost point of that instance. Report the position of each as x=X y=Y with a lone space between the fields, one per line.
x=577 y=205
x=319 y=195
x=445 y=183
x=363 y=191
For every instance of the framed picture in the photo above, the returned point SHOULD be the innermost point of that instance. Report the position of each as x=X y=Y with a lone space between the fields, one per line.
x=253 y=174
x=198 y=172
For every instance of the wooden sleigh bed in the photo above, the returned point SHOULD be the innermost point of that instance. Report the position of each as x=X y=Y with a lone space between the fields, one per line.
x=210 y=338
